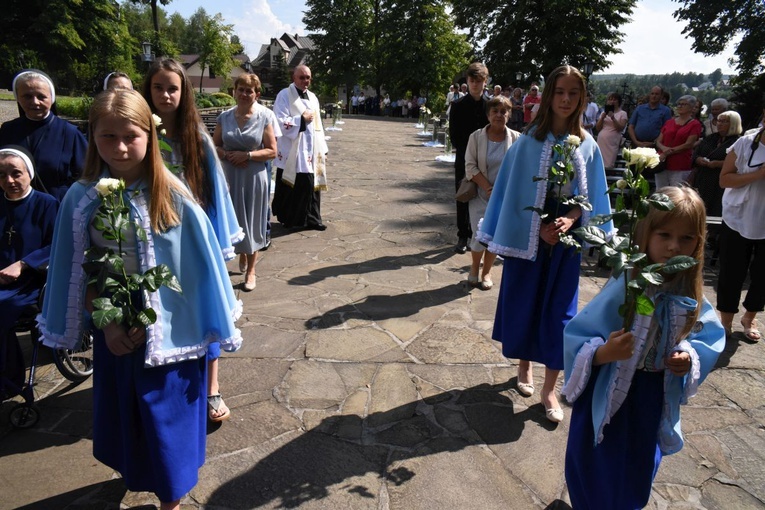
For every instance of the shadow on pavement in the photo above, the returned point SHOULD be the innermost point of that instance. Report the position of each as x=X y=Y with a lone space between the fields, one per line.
x=386 y=263
x=379 y=307
x=99 y=495
x=340 y=449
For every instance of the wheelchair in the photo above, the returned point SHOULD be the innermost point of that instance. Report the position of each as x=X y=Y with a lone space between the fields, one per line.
x=76 y=365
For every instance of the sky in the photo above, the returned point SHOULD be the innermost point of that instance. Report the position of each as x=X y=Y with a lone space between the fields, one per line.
x=653 y=42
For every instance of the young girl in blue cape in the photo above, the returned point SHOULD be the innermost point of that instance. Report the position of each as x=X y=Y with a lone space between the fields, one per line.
x=149 y=384
x=540 y=277
x=170 y=95
x=627 y=387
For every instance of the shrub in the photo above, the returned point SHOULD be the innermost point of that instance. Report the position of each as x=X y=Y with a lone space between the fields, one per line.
x=74 y=107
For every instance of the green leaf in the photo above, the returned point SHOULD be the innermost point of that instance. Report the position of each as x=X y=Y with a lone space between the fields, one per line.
x=617 y=262
x=592 y=235
x=637 y=257
x=643 y=208
x=628 y=175
x=607 y=251
x=147 y=316
x=172 y=283
x=661 y=202
x=651 y=277
x=140 y=231
x=644 y=305
x=679 y=263
x=102 y=318
x=102 y=303
x=620 y=202
x=536 y=178
x=643 y=187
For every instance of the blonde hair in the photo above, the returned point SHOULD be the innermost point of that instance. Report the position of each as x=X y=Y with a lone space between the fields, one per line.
x=690 y=207
x=545 y=117
x=248 y=80
x=164 y=187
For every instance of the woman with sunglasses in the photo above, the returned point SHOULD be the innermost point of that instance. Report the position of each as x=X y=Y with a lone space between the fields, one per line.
x=742 y=236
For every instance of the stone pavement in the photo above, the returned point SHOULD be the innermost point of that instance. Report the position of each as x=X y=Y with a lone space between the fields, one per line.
x=368 y=377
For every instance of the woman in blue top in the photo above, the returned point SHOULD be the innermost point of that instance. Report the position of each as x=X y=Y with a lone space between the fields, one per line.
x=27 y=217
x=192 y=157
x=540 y=278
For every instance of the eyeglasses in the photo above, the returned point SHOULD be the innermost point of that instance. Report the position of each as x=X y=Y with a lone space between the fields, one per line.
x=681 y=104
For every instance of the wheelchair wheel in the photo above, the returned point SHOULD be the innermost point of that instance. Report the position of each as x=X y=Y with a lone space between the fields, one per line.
x=24 y=416
x=76 y=364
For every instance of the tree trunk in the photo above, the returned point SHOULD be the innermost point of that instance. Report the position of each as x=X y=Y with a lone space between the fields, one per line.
x=201 y=77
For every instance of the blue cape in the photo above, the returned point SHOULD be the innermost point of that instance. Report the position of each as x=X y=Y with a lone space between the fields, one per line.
x=509 y=230
x=187 y=322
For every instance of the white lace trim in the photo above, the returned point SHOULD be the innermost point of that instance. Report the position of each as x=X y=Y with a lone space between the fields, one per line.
x=73 y=326
x=236 y=313
x=621 y=380
x=194 y=351
x=580 y=373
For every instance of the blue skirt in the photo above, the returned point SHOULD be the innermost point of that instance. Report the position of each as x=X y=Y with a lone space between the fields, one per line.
x=536 y=301
x=149 y=424
x=619 y=472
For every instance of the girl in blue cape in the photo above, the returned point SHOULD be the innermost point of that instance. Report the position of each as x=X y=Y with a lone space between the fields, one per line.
x=149 y=384
x=627 y=387
x=540 y=277
x=170 y=95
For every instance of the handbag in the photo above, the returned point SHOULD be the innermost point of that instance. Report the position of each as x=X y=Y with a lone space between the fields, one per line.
x=467 y=191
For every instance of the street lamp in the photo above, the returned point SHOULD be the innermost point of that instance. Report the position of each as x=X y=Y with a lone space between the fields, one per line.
x=518 y=77
x=248 y=66
x=587 y=69
x=147 y=56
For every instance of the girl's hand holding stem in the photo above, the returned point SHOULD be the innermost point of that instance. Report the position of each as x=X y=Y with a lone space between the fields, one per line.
x=121 y=342
x=619 y=346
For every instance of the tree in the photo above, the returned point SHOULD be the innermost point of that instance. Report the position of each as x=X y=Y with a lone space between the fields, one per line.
x=341 y=37
x=155 y=19
x=280 y=75
x=215 y=52
x=524 y=36
x=712 y=24
x=423 y=49
x=715 y=77
x=76 y=42
x=237 y=47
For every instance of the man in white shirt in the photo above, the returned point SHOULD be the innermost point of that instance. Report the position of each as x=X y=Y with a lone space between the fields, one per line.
x=590 y=114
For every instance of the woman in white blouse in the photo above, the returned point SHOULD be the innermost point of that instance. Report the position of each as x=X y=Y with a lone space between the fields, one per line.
x=742 y=237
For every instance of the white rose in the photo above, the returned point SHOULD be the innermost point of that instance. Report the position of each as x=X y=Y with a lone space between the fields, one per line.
x=107 y=185
x=621 y=184
x=157 y=119
x=646 y=155
x=573 y=140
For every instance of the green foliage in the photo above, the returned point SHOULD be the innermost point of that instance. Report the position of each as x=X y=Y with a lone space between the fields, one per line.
x=536 y=38
x=216 y=99
x=215 y=46
x=280 y=76
x=712 y=24
x=74 y=107
x=106 y=268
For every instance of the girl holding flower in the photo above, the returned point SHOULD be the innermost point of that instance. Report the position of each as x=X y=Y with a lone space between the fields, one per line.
x=149 y=390
x=540 y=278
x=189 y=150
x=627 y=387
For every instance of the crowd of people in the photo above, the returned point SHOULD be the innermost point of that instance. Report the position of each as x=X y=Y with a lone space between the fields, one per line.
x=155 y=387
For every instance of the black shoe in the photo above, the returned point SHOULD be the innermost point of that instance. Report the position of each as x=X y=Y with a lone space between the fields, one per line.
x=319 y=226
x=461 y=245
x=267 y=245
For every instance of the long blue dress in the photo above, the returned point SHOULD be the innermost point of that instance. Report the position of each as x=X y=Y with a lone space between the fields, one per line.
x=58 y=148
x=248 y=185
x=26 y=227
x=539 y=289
